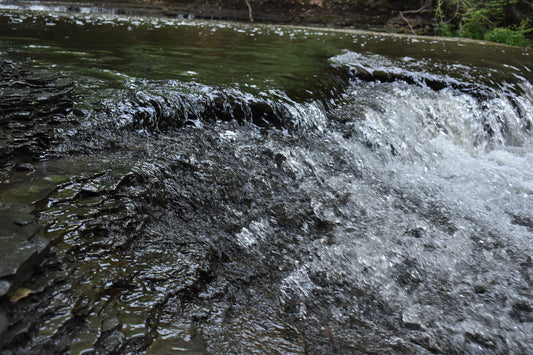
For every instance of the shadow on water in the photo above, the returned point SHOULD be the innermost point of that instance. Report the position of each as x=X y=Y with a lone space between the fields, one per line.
x=205 y=187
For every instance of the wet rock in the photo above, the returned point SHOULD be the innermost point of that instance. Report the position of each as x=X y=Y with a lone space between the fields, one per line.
x=164 y=245
x=110 y=324
x=113 y=342
x=411 y=321
x=33 y=103
x=417 y=232
x=408 y=275
x=3 y=323
x=24 y=167
x=481 y=339
x=522 y=220
x=4 y=287
x=21 y=248
x=522 y=312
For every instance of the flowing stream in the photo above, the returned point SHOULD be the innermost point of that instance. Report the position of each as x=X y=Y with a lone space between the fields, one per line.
x=225 y=188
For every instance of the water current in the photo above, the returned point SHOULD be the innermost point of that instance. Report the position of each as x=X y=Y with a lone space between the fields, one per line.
x=230 y=188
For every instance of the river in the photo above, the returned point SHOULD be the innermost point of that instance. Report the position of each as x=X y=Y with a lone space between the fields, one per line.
x=228 y=188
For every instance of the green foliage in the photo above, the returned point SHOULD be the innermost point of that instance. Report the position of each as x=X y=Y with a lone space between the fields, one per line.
x=515 y=37
x=481 y=19
x=474 y=23
x=445 y=29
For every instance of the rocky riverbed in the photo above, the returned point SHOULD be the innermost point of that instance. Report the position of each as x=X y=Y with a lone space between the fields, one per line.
x=211 y=187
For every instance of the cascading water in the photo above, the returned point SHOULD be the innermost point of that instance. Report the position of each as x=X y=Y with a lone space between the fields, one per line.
x=224 y=188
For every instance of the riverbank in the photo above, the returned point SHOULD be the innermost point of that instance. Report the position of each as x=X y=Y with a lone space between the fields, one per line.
x=409 y=17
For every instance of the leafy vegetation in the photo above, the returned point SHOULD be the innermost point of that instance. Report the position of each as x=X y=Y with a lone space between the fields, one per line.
x=503 y=21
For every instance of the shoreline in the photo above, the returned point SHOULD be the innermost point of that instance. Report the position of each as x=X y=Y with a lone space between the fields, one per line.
x=337 y=14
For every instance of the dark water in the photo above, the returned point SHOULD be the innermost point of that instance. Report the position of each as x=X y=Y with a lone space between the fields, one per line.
x=226 y=188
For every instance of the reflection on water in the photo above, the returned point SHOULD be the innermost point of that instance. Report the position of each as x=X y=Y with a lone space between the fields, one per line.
x=225 y=188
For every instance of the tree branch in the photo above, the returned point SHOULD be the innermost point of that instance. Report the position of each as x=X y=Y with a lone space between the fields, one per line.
x=249 y=10
x=408 y=23
x=417 y=11
x=413 y=12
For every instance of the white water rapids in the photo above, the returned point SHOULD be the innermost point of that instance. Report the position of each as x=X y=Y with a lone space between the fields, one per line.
x=427 y=213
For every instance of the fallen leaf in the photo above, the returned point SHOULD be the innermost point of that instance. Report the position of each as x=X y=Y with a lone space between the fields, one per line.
x=19 y=294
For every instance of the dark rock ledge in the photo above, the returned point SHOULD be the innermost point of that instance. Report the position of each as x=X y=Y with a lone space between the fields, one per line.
x=33 y=103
